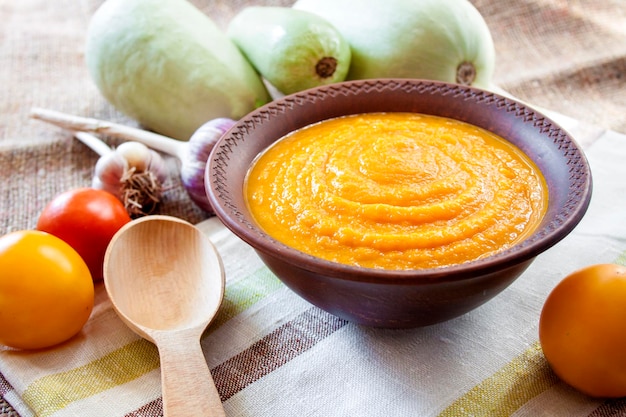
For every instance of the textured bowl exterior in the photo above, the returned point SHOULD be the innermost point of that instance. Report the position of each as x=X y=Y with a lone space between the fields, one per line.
x=386 y=298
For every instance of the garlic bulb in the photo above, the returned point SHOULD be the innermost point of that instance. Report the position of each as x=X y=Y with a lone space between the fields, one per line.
x=194 y=155
x=132 y=172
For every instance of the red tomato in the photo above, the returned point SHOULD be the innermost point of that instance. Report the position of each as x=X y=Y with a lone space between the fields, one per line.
x=86 y=219
x=582 y=330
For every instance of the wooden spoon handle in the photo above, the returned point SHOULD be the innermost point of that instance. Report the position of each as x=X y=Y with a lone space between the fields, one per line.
x=187 y=384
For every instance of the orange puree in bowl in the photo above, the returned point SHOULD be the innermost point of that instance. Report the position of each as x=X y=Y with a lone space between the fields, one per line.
x=396 y=191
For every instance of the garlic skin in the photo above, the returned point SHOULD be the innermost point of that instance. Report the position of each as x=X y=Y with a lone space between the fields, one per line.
x=195 y=157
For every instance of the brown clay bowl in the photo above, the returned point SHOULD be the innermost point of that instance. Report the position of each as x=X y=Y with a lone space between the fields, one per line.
x=388 y=298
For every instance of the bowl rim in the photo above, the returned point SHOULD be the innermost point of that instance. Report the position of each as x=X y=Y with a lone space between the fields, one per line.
x=539 y=241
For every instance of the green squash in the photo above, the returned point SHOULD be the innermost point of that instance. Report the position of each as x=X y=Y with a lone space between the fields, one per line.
x=292 y=49
x=445 y=40
x=168 y=65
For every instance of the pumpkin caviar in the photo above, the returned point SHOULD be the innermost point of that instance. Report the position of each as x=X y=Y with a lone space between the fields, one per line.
x=396 y=191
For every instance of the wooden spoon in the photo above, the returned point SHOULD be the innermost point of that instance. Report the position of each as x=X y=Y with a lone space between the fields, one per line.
x=165 y=280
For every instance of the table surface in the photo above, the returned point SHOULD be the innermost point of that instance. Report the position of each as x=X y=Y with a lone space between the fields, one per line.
x=565 y=56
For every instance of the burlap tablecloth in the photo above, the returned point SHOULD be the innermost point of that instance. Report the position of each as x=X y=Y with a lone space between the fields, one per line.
x=566 y=56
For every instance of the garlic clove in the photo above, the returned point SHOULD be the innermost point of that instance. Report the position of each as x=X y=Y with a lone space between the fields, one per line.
x=157 y=166
x=113 y=189
x=110 y=168
x=136 y=154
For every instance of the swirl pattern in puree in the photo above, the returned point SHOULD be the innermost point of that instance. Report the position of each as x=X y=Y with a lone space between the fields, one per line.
x=396 y=191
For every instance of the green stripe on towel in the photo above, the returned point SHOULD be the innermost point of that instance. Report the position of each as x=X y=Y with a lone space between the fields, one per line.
x=244 y=293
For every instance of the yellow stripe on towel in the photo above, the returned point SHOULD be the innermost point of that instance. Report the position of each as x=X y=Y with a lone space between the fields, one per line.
x=52 y=393
x=525 y=377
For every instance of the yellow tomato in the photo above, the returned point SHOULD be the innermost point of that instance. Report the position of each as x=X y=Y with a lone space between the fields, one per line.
x=582 y=330
x=46 y=290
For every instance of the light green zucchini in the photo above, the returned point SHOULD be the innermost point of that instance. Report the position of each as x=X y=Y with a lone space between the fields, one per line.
x=292 y=49
x=167 y=65
x=445 y=40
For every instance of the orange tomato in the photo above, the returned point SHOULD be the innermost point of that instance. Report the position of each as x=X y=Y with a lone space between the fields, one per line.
x=582 y=330
x=46 y=290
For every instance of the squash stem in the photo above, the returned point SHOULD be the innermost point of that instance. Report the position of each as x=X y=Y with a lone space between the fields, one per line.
x=326 y=67
x=465 y=73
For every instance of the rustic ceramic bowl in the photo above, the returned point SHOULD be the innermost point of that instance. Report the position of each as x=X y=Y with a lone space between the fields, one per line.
x=385 y=298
